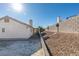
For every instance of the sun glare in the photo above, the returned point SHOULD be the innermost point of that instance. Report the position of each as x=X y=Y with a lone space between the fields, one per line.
x=17 y=6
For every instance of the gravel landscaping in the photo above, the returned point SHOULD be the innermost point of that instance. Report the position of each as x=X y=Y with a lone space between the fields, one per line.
x=62 y=44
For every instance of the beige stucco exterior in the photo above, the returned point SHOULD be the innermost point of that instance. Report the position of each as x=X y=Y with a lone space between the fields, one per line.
x=14 y=29
x=70 y=25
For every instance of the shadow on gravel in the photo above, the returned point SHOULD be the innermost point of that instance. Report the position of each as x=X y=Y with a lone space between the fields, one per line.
x=20 y=47
x=44 y=35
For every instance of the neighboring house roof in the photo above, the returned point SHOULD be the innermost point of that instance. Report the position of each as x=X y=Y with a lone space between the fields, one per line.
x=15 y=20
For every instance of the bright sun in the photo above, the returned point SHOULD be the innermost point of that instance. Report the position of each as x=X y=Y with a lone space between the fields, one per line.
x=17 y=6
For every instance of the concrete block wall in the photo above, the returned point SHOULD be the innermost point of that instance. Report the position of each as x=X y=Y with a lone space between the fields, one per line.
x=69 y=25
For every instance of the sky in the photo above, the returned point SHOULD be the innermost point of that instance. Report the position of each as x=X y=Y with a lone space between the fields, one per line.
x=42 y=14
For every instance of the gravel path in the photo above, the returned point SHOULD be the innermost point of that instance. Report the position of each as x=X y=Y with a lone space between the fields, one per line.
x=20 y=47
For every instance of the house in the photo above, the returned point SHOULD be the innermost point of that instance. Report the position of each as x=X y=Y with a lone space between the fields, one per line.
x=12 y=28
x=69 y=25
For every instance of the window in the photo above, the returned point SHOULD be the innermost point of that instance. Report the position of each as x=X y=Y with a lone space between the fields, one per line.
x=6 y=20
x=3 y=29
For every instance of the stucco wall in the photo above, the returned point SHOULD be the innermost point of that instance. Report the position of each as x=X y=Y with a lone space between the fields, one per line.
x=69 y=25
x=14 y=29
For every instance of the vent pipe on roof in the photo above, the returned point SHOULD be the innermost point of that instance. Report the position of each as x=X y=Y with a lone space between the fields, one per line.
x=58 y=19
x=30 y=22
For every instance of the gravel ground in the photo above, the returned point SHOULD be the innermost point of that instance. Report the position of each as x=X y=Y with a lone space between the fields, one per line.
x=63 y=44
x=20 y=47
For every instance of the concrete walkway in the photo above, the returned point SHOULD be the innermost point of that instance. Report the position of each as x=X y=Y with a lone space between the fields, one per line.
x=39 y=53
